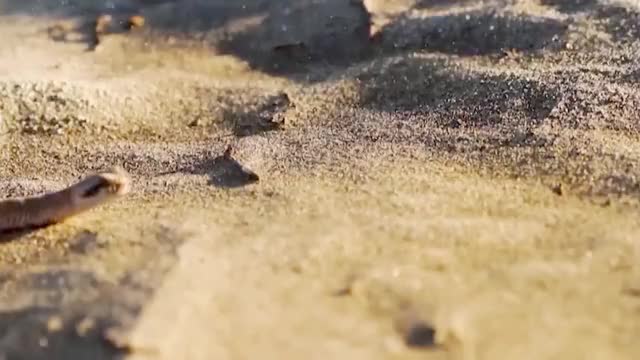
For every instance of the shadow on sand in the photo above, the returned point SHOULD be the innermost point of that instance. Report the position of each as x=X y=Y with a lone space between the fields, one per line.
x=293 y=37
x=223 y=171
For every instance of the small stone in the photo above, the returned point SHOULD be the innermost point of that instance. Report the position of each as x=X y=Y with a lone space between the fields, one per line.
x=196 y=122
x=135 y=21
x=54 y=324
x=415 y=331
x=344 y=291
x=84 y=326
x=420 y=335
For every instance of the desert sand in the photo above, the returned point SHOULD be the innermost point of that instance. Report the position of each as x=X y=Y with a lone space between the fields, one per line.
x=435 y=179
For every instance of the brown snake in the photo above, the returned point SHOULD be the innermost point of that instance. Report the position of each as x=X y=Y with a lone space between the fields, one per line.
x=31 y=212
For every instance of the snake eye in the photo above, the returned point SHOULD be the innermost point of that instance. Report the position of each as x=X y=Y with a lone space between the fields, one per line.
x=95 y=188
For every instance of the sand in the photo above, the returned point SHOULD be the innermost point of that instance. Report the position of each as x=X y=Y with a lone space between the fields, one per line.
x=435 y=179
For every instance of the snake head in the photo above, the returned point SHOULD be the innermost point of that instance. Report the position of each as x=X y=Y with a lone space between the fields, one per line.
x=101 y=187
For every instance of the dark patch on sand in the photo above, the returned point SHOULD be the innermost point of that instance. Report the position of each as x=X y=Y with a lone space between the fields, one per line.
x=474 y=33
x=456 y=96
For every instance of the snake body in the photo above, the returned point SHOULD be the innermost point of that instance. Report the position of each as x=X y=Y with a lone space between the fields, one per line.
x=50 y=208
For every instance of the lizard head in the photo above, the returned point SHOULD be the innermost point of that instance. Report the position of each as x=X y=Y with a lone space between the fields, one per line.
x=98 y=188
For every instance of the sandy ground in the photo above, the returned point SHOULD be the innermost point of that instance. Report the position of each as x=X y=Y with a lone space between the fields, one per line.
x=437 y=179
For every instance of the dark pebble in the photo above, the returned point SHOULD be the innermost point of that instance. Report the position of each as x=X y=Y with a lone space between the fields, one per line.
x=420 y=335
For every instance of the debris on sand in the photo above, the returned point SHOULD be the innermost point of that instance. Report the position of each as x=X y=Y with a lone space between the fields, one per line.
x=135 y=22
x=270 y=116
x=557 y=189
x=346 y=286
x=416 y=332
x=54 y=324
x=60 y=31
x=94 y=31
x=228 y=172
x=420 y=335
x=114 y=339
x=101 y=27
x=85 y=326
x=380 y=13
